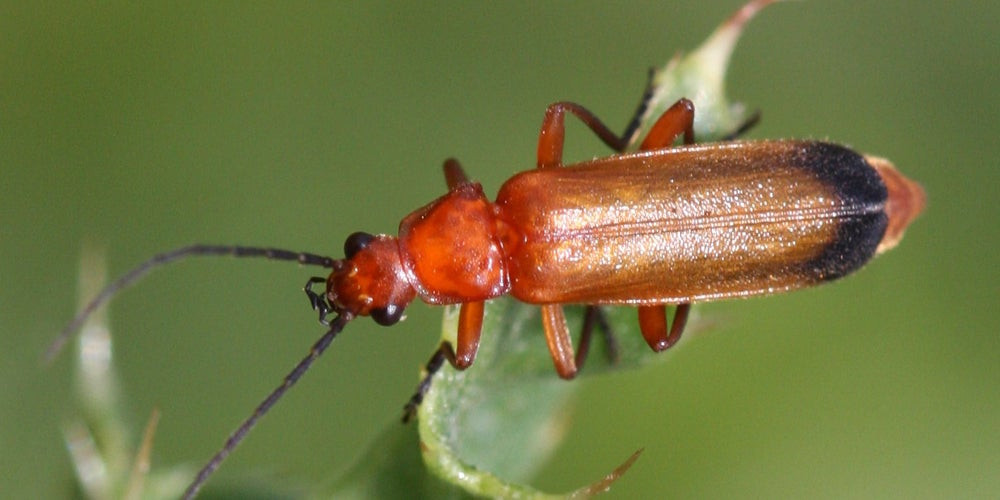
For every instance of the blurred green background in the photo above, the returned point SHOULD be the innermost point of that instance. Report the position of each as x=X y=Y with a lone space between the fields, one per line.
x=140 y=128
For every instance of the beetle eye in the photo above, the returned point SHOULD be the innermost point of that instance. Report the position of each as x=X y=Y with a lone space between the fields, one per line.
x=388 y=315
x=355 y=243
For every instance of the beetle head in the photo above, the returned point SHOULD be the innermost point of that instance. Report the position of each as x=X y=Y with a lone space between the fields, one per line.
x=370 y=281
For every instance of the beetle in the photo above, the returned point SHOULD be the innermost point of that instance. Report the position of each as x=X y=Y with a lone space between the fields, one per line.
x=664 y=226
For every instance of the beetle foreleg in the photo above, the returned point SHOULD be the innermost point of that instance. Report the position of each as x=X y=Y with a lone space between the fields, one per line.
x=653 y=324
x=470 y=324
x=434 y=364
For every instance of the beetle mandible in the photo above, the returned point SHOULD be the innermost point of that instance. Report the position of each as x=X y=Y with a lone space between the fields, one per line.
x=664 y=226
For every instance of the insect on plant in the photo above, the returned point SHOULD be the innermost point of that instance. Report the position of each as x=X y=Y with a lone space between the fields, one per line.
x=664 y=226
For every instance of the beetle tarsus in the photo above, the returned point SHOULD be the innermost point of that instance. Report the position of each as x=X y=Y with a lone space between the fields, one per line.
x=744 y=127
x=444 y=352
x=640 y=110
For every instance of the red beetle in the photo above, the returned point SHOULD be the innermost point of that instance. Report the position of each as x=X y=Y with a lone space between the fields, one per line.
x=662 y=226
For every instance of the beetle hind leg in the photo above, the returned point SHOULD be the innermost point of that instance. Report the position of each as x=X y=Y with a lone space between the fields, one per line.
x=550 y=140
x=640 y=110
x=593 y=316
x=744 y=127
x=677 y=120
x=653 y=324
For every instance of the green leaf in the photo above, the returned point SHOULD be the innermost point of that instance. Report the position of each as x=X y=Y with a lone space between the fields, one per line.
x=701 y=77
x=489 y=428
x=108 y=460
x=391 y=468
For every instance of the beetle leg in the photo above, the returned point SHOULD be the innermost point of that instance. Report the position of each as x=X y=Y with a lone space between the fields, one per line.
x=679 y=118
x=653 y=319
x=559 y=341
x=553 y=126
x=586 y=332
x=470 y=323
x=747 y=124
x=674 y=121
x=653 y=324
x=442 y=353
x=592 y=316
x=640 y=110
x=454 y=176
x=550 y=140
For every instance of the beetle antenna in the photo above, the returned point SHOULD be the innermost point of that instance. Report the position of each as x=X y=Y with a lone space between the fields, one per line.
x=143 y=269
x=237 y=436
